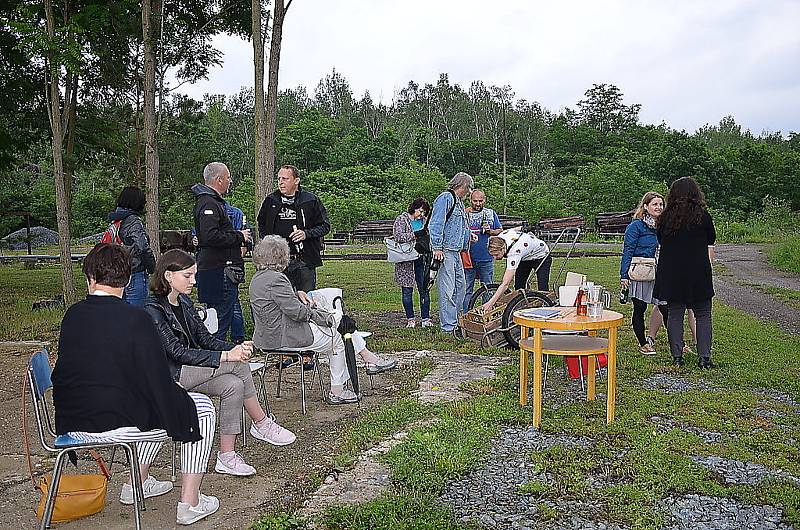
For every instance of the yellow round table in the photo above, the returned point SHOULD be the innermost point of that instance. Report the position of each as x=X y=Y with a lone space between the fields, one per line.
x=566 y=345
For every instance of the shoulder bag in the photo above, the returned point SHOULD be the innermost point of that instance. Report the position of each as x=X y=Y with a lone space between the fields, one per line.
x=78 y=495
x=642 y=269
x=399 y=252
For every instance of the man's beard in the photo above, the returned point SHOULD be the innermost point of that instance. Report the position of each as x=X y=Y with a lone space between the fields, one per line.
x=477 y=208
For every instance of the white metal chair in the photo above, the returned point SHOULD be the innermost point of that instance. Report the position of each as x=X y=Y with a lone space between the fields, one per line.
x=38 y=374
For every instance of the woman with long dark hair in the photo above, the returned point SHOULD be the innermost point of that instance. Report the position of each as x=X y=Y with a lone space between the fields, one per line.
x=683 y=276
x=130 y=230
x=641 y=241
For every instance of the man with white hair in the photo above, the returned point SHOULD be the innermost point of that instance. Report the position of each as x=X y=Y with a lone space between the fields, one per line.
x=450 y=234
x=220 y=267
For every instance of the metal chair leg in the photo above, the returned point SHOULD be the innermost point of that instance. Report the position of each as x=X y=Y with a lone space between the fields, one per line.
x=302 y=384
x=546 y=366
x=174 y=458
x=47 y=514
x=136 y=484
x=580 y=371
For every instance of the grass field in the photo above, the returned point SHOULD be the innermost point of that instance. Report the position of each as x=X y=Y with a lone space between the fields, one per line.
x=647 y=465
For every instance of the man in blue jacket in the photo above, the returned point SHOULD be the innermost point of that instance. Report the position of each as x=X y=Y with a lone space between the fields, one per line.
x=450 y=234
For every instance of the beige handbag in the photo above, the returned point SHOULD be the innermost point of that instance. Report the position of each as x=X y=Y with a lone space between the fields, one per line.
x=642 y=269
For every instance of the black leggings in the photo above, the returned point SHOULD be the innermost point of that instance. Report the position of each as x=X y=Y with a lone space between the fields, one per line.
x=542 y=275
x=639 y=309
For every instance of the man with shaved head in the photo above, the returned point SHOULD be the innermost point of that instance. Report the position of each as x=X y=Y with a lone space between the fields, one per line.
x=483 y=222
x=220 y=267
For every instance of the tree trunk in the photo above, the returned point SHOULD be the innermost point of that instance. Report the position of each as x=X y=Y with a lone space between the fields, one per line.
x=262 y=176
x=57 y=128
x=279 y=13
x=151 y=15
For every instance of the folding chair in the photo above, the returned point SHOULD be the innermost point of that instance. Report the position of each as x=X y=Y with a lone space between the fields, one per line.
x=297 y=354
x=38 y=374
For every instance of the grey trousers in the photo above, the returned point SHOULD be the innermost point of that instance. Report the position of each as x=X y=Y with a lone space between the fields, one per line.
x=232 y=382
x=702 y=313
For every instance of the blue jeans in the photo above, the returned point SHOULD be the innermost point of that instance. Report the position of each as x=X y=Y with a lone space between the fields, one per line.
x=484 y=270
x=136 y=291
x=424 y=294
x=237 y=322
x=451 y=289
x=215 y=290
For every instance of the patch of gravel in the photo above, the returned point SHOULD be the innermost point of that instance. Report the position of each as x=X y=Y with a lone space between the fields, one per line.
x=490 y=495
x=672 y=384
x=40 y=237
x=738 y=472
x=698 y=512
x=664 y=424
x=776 y=395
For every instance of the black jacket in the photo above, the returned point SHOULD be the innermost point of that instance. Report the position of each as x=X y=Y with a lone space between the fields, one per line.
x=134 y=236
x=683 y=273
x=111 y=372
x=219 y=244
x=199 y=348
x=313 y=220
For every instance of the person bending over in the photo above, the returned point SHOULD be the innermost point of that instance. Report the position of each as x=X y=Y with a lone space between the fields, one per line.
x=523 y=252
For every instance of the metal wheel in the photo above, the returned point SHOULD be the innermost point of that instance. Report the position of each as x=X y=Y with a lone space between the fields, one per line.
x=483 y=294
x=524 y=299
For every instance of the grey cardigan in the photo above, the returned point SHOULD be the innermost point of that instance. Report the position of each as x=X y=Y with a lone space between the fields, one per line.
x=280 y=318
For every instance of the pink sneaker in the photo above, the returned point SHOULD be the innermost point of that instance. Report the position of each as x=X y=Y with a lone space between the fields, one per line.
x=233 y=464
x=269 y=431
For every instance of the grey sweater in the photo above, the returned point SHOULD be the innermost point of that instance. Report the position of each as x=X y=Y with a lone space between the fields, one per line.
x=281 y=319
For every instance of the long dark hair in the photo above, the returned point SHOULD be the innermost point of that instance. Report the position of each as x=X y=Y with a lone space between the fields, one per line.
x=172 y=260
x=685 y=207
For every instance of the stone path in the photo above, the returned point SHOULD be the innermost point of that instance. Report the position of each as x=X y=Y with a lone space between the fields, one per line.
x=369 y=477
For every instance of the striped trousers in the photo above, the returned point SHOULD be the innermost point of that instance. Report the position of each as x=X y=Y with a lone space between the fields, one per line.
x=194 y=456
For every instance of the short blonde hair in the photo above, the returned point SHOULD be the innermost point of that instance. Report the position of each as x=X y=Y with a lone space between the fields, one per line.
x=497 y=244
x=271 y=253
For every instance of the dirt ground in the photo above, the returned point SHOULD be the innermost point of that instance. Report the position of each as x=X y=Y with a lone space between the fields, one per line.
x=284 y=476
x=744 y=266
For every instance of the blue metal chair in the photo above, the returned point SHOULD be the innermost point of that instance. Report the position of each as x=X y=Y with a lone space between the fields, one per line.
x=38 y=374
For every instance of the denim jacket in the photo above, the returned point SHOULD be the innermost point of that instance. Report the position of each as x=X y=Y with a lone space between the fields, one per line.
x=451 y=235
x=640 y=241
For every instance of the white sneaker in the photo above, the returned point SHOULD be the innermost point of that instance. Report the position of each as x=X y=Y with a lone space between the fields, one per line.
x=191 y=514
x=347 y=396
x=233 y=465
x=150 y=487
x=427 y=323
x=411 y=323
x=271 y=432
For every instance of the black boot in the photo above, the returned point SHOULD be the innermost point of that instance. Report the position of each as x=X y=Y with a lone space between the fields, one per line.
x=678 y=361
x=705 y=363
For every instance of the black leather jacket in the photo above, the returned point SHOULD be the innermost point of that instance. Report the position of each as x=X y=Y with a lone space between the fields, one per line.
x=199 y=348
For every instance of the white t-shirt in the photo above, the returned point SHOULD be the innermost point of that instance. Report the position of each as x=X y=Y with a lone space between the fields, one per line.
x=523 y=247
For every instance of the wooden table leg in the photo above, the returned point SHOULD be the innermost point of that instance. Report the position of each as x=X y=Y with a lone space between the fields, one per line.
x=523 y=368
x=591 y=377
x=612 y=374
x=537 y=377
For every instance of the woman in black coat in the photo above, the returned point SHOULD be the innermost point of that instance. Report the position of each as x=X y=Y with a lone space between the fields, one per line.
x=200 y=362
x=683 y=277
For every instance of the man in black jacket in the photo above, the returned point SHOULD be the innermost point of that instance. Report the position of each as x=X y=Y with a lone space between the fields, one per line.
x=220 y=267
x=299 y=217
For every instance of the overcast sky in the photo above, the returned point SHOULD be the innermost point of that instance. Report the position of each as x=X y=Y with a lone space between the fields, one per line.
x=688 y=62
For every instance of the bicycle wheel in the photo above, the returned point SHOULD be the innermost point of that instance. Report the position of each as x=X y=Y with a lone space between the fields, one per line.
x=482 y=295
x=525 y=299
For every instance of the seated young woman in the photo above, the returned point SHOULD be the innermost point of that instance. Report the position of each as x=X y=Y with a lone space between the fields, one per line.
x=523 y=252
x=200 y=362
x=111 y=383
x=287 y=318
